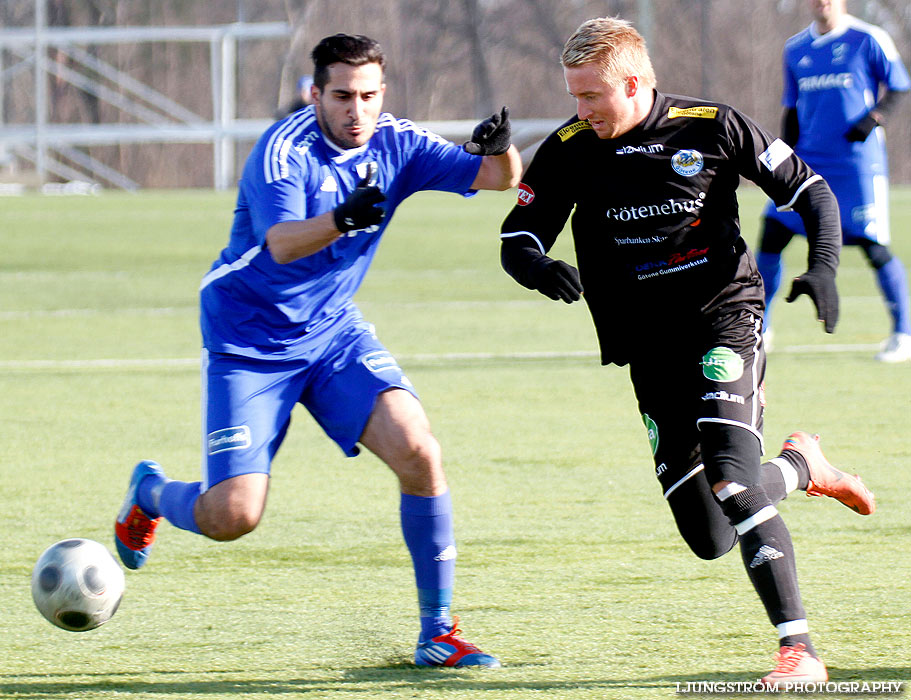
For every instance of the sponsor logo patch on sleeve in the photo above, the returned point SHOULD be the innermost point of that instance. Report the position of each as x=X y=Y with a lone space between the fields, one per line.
x=777 y=152
x=701 y=112
x=526 y=195
x=571 y=130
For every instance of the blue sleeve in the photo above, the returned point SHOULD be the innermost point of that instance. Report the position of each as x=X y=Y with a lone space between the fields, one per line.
x=437 y=164
x=273 y=188
x=789 y=94
x=894 y=75
x=885 y=63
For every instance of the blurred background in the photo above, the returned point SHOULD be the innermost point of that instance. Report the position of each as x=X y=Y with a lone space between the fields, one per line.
x=172 y=93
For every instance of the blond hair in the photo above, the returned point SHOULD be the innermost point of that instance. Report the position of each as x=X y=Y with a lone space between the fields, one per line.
x=613 y=44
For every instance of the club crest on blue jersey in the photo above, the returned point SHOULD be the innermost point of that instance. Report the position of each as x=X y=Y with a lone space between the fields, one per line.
x=687 y=162
x=368 y=169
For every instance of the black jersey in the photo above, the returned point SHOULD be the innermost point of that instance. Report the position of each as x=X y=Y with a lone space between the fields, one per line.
x=654 y=214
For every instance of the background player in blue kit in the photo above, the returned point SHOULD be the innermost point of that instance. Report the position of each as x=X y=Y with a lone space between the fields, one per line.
x=280 y=328
x=834 y=72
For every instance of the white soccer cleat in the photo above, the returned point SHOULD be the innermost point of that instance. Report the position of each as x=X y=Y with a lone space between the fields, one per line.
x=896 y=348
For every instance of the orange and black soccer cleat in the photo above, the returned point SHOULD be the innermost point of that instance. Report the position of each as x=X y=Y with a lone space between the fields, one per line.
x=826 y=480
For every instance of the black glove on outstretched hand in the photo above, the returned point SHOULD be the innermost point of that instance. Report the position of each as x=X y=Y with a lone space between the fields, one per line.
x=556 y=279
x=819 y=285
x=360 y=209
x=861 y=129
x=492 y=137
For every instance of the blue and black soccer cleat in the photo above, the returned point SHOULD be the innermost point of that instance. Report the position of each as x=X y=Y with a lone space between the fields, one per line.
x=451 y=650
x=134 y=531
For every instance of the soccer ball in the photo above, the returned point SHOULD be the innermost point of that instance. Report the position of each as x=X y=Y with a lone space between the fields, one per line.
x=77 y=584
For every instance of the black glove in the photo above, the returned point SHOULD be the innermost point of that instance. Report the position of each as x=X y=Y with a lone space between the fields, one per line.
x=360 y=209
x=861 y=129
x=556 y=279
x=819 y=285
x=491 y=137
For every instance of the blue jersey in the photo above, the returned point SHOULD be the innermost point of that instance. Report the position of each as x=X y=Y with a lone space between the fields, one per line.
x=833 y=80
x=255 y=307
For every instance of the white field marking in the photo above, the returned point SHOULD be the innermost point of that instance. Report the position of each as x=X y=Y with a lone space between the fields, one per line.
x=116 y=363
x=364 y=303
x=835 y=348
x=426 y=272
x=531 y=355
x=173 y=310
x=152 y=363
x=83 y=313
x=45 y=275
x=427 y=358
x=456 y=304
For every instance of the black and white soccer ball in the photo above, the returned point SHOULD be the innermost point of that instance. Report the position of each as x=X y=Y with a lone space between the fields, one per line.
x=77 y=584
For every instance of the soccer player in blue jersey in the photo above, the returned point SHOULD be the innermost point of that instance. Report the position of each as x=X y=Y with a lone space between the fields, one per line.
x=280 y=328
x=842 y=78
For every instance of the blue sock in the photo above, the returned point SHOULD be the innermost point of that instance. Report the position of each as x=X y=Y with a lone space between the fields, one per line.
x=894 y=285
x=771 y=269
x=428 y=532
x=147 y=494
x=176 y=503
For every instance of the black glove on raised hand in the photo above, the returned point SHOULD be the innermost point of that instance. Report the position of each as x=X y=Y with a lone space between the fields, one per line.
x=819 y=285
x=861 y=129
x=492 y=136
x=556 y=279
x=360 y=209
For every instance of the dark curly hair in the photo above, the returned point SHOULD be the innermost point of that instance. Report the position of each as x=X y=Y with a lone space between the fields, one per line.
x=355 y=50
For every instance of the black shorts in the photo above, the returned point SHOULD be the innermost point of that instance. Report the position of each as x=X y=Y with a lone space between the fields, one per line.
x=713 y=372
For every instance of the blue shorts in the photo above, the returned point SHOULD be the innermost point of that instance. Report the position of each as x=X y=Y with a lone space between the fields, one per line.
x=863 y=201
x=248 y=401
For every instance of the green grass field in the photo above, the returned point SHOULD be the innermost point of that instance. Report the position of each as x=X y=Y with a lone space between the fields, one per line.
x=570 y=568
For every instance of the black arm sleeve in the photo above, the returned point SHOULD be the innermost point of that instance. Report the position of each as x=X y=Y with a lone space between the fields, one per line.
x=790 y=127
x=521 y=259
x=818 y=208
x=886 y=105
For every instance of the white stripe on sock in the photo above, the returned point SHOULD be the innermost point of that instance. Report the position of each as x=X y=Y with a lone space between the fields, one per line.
x=727 y=491
x=766 y=513
x=786 y=629
x=787 y=471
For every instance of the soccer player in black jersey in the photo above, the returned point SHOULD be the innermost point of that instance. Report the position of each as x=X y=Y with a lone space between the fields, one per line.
x=650 y=181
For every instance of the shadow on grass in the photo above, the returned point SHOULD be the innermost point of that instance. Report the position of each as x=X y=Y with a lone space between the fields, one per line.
x=372 y=680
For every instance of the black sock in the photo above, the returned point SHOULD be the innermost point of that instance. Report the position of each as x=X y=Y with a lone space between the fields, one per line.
x=796 y=460
x=772 y=481
x=792 y=640
x=768 y=556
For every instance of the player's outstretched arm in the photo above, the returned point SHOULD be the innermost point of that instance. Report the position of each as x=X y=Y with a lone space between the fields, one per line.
x=288 y=241
x=502 y=165
x=526 y=264
x=292 y=240
x=818 y=208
